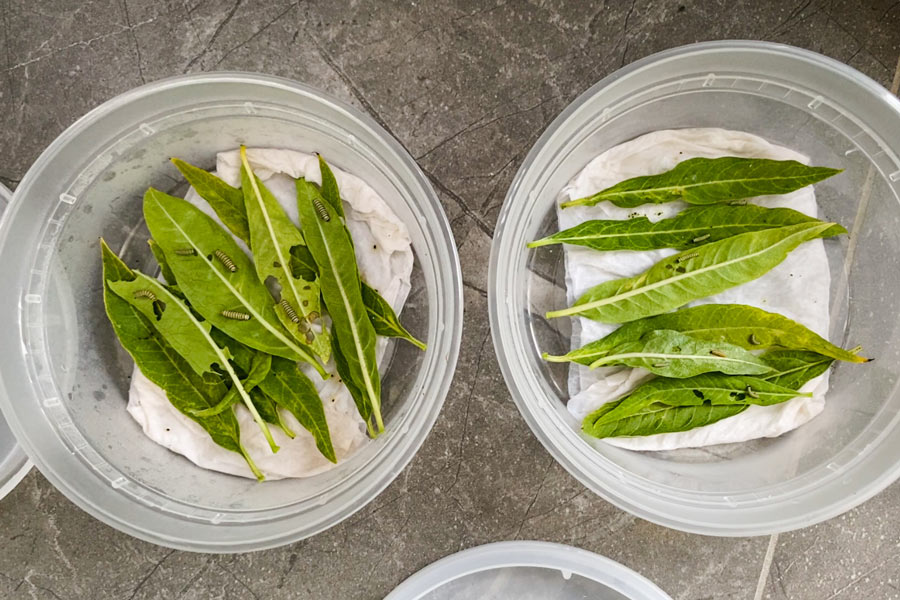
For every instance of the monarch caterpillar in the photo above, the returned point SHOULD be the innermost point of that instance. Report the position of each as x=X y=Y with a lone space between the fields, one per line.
x=701 y=238
x=660 y=365
x=226 y=260
x=754 y=340
x=235 y=315
x=145 y=294
x=687 y=256
x=185 y=252
x=718 y=353
x=289 y=311
x=321 y=210
x=751 y=393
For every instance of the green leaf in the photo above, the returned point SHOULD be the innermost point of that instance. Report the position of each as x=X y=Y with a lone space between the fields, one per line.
x=793 y=368
x=163 y=366
x=302 y=264
x=673 y=354
x=714 y=390
x=268 y=410
x=693 y=274
x=332 y=249
x=329 y=188
x=190 y=337
x=711 y=180
x=272 y=235
x=662 y=418
x=163 y=262
x=363 y=406
x=745 y=326
x=226 y=201
x=690 y=228
x=252 y=367
x=290 y=389
x=383 y=318
x=212 y=288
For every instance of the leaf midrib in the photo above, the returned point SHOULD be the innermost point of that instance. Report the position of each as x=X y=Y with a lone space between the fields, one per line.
x=671 y=231
x=668 y=280
x=253 y=312
x=285 y=264
x=360 y=352
x=692 y=185
x=626 y=355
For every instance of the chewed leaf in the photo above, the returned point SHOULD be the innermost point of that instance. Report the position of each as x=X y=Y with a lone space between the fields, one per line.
x=189 y=336
x=673 y=354
x=710 y=389
x=745 y=326
x=163 y=366
x=272 y=236
x=218 y=278
x=690 y=228
x=711 y=180
x=690 y=275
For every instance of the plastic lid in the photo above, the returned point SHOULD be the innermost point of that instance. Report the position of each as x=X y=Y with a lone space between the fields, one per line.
x=526 y=571
x=14 y=464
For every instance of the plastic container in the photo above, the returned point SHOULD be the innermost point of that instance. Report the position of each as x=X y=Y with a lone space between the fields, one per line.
x=14 y=464
x=64 y=384
x=792 y=97
x=526 y=571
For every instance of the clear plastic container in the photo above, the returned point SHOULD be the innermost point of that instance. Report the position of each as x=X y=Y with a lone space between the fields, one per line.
x=14 y=464
x=792 y=97
x=64 y=377
x=526 y=571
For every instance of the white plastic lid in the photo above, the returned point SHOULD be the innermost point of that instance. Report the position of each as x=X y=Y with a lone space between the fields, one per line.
x=527 y=571
x=14 y=464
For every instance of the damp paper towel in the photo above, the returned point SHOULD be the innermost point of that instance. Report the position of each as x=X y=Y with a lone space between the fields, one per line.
x=385 y=261
x=798 y=288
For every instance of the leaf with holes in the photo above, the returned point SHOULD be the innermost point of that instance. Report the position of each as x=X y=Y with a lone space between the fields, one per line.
x=191 y=338
x=643 y=411
x=272 y=235
x=218 y=278
x=745 y=326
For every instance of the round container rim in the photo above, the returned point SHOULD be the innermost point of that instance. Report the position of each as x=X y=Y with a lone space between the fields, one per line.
x=529 y=554
x=406 y=449
x=500 y=335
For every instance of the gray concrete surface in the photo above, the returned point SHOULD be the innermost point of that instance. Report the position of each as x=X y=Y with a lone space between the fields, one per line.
x=467 y=87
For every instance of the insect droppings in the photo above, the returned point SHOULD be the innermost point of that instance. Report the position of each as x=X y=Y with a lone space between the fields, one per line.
x=697 y=240
x=225 y=260
x=754 y=340
x=185 y=252
x=289 y=311
x=235 y=315
x=321 y=210
x=144 y=294
x=718 y=353
x=687 y=257
x=751 y=393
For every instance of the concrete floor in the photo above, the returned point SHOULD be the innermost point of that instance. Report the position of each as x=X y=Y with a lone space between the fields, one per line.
x=467 y=87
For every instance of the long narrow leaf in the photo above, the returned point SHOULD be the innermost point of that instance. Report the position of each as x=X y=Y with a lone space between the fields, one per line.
x=711 y=180
x=677 y=280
